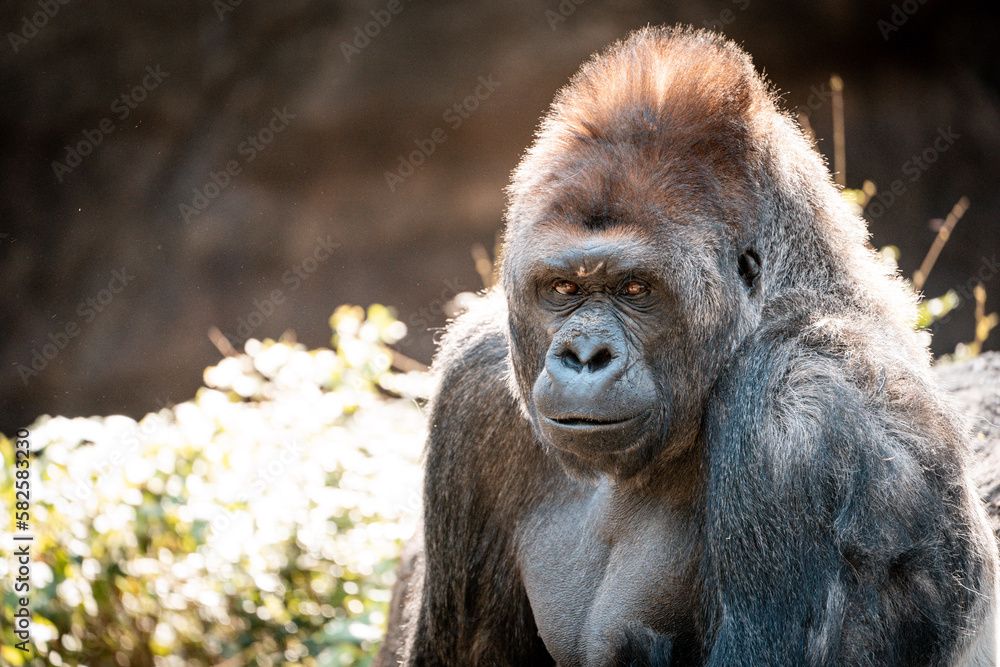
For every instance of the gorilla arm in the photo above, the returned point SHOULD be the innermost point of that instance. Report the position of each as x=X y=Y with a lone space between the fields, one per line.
x=481 y=462
x=836 y=528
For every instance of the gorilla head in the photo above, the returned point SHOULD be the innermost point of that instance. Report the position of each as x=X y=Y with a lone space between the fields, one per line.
x=632 y=267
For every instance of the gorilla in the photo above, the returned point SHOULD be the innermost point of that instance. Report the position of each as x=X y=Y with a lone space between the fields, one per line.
x=694 y=425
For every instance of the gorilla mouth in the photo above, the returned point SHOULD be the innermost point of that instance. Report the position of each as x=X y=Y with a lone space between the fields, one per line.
x=586 y=422
x=589 y=436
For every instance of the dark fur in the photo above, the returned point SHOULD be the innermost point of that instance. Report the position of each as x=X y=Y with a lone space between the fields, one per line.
x=821 y=472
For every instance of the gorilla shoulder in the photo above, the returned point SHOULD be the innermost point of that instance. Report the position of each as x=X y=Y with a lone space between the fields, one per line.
x=475 y=420
x=472 y=354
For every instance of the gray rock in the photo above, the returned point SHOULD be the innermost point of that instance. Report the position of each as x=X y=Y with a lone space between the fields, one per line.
x=975 y=384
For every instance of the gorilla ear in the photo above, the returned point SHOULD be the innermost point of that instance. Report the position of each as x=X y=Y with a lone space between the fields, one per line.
x=749 y=263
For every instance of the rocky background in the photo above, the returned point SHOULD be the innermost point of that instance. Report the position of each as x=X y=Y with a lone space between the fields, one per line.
x=167 y=168
x=975 y=385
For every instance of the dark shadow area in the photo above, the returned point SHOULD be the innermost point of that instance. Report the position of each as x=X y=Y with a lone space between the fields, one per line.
x=166 y=168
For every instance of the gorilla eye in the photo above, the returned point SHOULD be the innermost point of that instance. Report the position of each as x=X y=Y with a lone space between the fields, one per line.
x=566 y=287
x=634 y=288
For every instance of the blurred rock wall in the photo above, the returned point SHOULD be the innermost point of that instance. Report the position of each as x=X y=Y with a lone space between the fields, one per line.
x=166 y=168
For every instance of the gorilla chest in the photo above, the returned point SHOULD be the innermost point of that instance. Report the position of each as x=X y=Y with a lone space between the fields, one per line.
x=595 y=566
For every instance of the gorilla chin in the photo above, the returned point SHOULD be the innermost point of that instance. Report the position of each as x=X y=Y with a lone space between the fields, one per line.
x=590 y=446
x=602 y=423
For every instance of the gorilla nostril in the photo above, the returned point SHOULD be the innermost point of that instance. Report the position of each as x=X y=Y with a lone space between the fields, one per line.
x=599 y=360
x=570 y=360
x=591 y=358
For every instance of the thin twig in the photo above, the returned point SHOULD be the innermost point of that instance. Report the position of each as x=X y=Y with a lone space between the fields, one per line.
x=839 y=144
x=807 y=127
x=957 y=211
x=984 y=323
x=404 y=363
x=222 y=343
x=483 y=263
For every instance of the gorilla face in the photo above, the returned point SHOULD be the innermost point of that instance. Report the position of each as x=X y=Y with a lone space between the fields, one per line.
x=629 y=263
x=596 y=393
x=614 y=334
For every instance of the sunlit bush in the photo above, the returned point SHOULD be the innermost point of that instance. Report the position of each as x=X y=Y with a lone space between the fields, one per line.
x=256 y=524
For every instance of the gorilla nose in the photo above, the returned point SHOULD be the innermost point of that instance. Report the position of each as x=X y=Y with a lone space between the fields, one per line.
x=584 y=384
x=588 y=364
x=586 y=356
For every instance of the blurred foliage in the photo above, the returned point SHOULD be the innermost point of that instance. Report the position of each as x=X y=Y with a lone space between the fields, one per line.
x=257 y=524
x=931 y=310
x=858 y=198
x=937 y=308
x=928 y=310
x=984 y=325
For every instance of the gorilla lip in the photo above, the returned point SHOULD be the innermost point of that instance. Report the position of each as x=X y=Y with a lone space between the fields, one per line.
x=585 y=422
x=580 y=426
x=587 y=437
